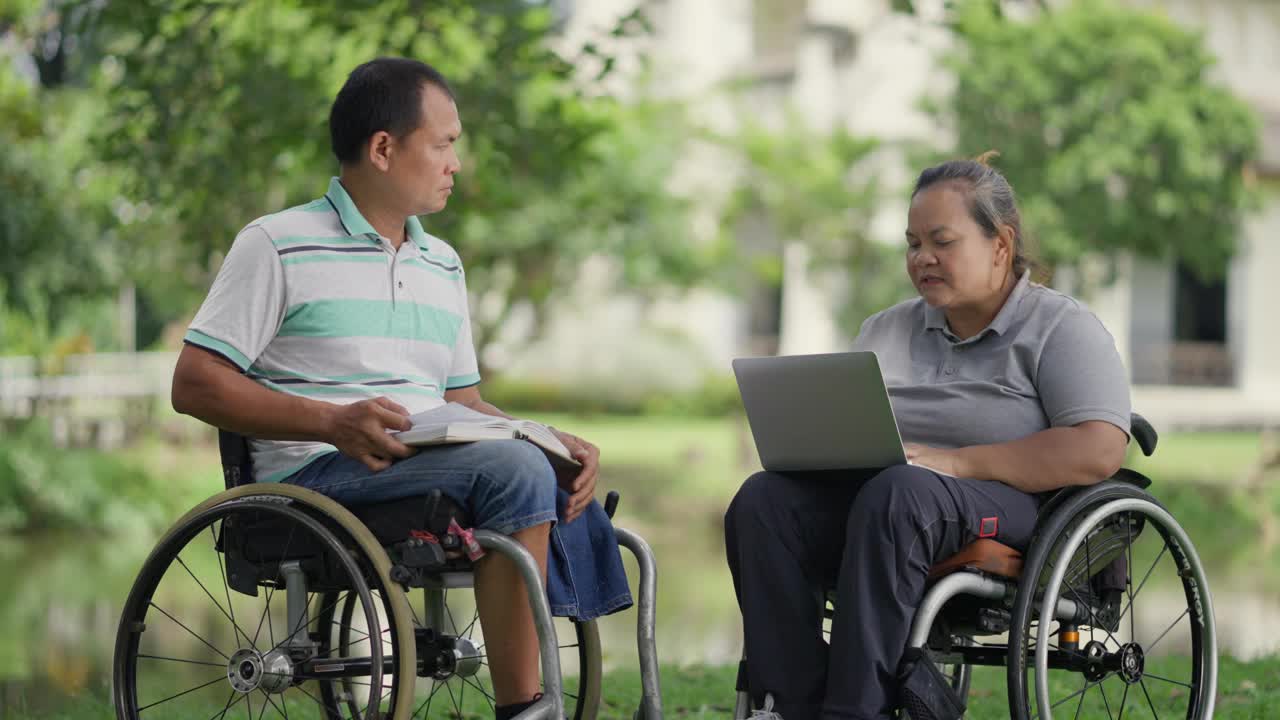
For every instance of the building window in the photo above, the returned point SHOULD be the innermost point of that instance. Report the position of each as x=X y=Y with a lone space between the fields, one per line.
x=1199 y=354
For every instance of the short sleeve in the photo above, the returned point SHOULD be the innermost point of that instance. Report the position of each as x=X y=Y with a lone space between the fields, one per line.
x=245 y=305
x=863 y=341
x=464 y=371
x=1080 y=376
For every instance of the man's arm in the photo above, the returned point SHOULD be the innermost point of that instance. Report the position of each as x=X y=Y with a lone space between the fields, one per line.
x=582 y=488
x=211 y=388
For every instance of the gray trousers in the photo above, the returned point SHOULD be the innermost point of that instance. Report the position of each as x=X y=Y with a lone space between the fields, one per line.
x=873 y=537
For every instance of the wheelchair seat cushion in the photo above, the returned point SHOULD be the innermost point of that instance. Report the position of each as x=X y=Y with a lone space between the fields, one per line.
x=391 y=521
x=985 y=555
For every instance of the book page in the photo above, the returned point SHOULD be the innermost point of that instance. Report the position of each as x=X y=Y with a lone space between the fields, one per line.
x=542 y=435
x=457 y=413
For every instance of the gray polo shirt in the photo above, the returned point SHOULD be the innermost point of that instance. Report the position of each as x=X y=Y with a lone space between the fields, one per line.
x=1044 y=361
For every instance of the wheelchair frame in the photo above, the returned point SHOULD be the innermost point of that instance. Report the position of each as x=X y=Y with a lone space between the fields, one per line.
x=293 y=657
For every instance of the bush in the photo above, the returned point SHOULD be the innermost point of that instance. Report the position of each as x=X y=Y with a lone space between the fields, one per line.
x=44 y=487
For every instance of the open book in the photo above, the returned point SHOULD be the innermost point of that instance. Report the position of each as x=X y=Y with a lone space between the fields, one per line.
x=456 y=423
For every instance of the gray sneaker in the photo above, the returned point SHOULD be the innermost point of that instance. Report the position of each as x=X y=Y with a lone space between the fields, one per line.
x=766 y=712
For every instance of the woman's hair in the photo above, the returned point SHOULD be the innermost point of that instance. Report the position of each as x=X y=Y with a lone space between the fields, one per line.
x=990 y=198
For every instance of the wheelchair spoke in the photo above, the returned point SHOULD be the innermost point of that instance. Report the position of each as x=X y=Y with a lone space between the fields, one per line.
x=1092 y=617
x=449 y=689
x=453 y=626
x=220 y=678
x=1103 y=689
x=281 y=708
x=1153 y=676
x=1123 y=699
x=232 y=699
x=435 y=688
x=1080 y=704
x=480 y=687
x=179 y=660
x=1153 y=645
x=474 y=618
x=462 y=697
x=381 y=696
x=1146 y=577
x=216 y=604
x=303 y=690
x=305 y=626
x=265 y=699
x=266 y=612
x=226 y=588
x=189 y=630
x=1150 y=704
x=1077 y=693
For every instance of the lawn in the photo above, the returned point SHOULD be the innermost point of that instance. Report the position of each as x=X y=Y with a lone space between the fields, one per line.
x=1246 y=691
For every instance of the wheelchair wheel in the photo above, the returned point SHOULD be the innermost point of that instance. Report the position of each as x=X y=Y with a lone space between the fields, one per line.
x=453 y=678
x=205 y=631
x=1141 y=643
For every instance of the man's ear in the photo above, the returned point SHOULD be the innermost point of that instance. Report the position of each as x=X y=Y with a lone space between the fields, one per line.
x=380 y=144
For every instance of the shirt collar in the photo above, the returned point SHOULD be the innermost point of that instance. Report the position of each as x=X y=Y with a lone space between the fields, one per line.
x=354 y=223
x=936 y=319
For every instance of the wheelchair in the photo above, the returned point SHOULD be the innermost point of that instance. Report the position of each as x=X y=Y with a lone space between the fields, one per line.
x=1062 y=619
x=344 y=642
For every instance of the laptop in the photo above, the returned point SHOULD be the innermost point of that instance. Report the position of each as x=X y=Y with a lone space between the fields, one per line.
x=819 y=412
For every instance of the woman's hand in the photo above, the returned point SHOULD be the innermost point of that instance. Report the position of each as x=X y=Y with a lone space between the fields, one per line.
x=948 y=462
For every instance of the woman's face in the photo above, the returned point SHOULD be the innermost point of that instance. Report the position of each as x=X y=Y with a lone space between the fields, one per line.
x=952 y=263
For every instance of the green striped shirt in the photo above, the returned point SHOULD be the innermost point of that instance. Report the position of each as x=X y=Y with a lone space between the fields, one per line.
x=311 y=301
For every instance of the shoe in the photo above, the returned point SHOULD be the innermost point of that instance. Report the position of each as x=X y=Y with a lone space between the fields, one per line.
x=766 y=712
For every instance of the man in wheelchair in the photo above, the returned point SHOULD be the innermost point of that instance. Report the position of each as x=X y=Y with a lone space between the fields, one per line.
x=330 y=323
x=1004 y=390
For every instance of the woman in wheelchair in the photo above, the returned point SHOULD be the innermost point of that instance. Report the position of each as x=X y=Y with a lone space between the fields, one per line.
x=1003 y=389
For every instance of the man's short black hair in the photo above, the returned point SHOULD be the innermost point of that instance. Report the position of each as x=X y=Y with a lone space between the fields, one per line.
x=382 y=94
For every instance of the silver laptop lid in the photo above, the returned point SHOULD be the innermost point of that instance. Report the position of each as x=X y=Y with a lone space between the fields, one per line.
x=819 y=412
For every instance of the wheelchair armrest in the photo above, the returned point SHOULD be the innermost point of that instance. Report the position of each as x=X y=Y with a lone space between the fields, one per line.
x=1144 y=433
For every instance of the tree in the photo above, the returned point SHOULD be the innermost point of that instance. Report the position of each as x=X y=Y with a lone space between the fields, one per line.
x=54 y=195
x=219 y=114
x=1109 y=129
x=813 y=187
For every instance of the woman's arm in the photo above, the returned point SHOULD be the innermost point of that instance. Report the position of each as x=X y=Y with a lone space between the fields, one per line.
x=1047 y=460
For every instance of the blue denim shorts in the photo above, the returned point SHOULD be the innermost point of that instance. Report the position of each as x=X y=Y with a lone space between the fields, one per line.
x=507 y=485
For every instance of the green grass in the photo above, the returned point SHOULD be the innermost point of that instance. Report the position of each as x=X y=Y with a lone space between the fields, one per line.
x=1246 y=691
x=1207 y=458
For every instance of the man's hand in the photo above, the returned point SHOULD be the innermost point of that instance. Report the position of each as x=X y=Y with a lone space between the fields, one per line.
x=581 y=488
x=360 y=431
x=948 y=462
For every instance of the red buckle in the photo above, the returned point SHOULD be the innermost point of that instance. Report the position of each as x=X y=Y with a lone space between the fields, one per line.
x=468 y=538
x=989 y=527
x=424 y=536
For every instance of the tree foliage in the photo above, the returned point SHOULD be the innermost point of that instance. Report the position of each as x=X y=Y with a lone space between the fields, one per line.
x=811 y=187
x=1110 y=129
x=216 y=113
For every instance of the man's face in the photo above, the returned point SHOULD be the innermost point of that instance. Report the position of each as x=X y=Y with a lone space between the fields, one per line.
x=423 y=163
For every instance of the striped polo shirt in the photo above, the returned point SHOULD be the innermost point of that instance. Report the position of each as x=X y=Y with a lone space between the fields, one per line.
x=313 y=302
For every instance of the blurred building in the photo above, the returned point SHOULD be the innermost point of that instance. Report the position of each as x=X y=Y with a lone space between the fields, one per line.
x=1199 y=354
